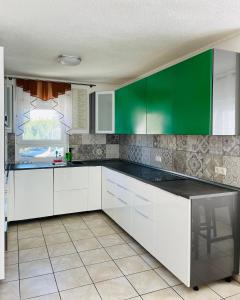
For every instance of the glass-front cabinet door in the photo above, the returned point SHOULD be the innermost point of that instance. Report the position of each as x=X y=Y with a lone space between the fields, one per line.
x=104 y=113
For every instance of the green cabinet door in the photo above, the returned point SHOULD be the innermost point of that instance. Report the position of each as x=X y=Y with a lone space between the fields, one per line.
x=159 y=98
x=179 y=98
x=192 y=98
x=130 y=109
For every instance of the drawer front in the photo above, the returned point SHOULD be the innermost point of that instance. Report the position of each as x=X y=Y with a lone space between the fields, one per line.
x=70 y=178
x=70 y=201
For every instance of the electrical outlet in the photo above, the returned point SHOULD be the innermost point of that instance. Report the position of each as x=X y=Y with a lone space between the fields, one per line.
x=220 y=171
x=158 y=158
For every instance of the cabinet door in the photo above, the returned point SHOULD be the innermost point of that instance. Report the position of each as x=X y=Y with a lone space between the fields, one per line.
x=70 y=178
x=105 y=112
x=80 y=109
x=173 y=229
x=159 y=96
x=10 y=196
x=33 y=194
x=70 y=201
x=192 y=111
x=95 y=188
x=130 y=109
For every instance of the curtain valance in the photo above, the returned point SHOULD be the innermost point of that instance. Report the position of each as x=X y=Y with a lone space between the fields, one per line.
x=44 y=90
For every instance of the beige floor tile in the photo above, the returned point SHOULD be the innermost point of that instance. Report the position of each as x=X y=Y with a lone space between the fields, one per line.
x=71 y=219
x=104 y=271
x=12 y=227
x=54 y=296
x=96 y=223
x=61 y=249
x=150 y=260
x=75 y=226
x=28 y=226
x=235 y=297
x=102 y=230
x=53 y=229
x=137 y=248
x=87 y=292
x=166 y=294
x=110 y=240
x=11 y=258
x=94 y=256
x=136 y=298
x=189 y=294
x=9 y=290
x=12 y=245
x=132 y=264
x=126 y=237
x=80 y=234
x=32 y=254
x=116 y=289
x=93 y=216
x=11 y=273
x=87 y=244
x=35 y=268
x=57 y=238
x=168 y=276
x=37 y=286
x=146 y=282
x=73 y=278
x=120 y=251
x=30 y=243
x=51 y=222
x=225 y=289
x=31 y=233
x=12 y=235
x=61 y=263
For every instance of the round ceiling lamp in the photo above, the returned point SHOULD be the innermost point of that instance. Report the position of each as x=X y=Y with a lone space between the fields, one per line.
x=69 y=60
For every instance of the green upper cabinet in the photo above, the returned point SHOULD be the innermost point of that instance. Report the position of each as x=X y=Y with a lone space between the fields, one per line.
x=179 y=98
x=130 y=109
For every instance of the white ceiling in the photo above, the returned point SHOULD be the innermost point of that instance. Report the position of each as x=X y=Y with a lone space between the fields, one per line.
x=118 y=40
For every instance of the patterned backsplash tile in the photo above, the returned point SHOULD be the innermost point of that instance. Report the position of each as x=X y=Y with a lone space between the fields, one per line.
x=193 y=155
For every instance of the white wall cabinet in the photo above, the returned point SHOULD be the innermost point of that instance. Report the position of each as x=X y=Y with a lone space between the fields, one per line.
x=33 y=194
x=70 y=190
x=80 y=109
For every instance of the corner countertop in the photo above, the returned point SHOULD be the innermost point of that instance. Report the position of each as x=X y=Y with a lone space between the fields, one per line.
x=178 y=184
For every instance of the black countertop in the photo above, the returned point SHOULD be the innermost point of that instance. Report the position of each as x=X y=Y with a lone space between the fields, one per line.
x=171 y=182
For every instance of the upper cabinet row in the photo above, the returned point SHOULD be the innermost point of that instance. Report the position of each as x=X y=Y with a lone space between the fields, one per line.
x=196 y=96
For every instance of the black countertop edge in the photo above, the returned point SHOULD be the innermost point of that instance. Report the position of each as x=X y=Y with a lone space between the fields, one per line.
x=169 y=186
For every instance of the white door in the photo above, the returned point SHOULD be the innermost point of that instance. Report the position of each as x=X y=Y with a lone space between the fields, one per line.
x=105 y=112
x=33 y=194
x=2 y=217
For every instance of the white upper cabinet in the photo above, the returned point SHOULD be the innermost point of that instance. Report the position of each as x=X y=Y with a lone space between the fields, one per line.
x=102 y=111
x=8 y=104
x=80 y=109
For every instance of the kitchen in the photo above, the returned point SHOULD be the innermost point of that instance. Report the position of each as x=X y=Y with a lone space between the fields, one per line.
x=120 y=167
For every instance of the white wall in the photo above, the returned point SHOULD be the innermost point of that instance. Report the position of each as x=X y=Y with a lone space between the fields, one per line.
x=1 y=165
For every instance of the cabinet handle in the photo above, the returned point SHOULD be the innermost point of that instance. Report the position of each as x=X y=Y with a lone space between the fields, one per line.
x=121 y=200
x=110 y=193
x=122 y=187
x=141 y=197
x=140 y=213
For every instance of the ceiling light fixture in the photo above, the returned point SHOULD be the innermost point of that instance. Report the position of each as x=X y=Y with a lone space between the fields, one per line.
x=69 y=60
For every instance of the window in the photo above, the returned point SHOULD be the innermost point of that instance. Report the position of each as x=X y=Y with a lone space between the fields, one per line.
x=42 y=132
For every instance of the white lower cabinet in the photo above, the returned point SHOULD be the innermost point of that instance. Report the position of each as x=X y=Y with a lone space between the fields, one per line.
x=70 y=190
x=95 y=188
x=33 y=194
x=158 y=220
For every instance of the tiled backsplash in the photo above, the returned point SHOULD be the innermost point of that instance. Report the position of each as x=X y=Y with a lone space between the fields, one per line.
x=187 y=154
x=85 y=146
x=191 y=155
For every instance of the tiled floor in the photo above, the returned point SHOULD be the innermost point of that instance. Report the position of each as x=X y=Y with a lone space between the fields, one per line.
x=88 y=257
